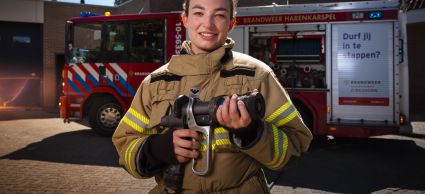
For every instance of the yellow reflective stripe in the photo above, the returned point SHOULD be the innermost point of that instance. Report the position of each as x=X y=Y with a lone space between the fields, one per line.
x=127 y=151
x=222 y=142
x=279 y=152
x=287 y=119
x=137 y=127
x=219 y=133
x=284 y=151
x=278 y=111
x=276 y=146
x=132 y=171
x=218 y=142
x=220 y=130
x=137 y=121
x=203 y=147
x=139 y=116
x=127 y=156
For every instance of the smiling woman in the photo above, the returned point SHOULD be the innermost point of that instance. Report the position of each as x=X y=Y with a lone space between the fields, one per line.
x=206 y=68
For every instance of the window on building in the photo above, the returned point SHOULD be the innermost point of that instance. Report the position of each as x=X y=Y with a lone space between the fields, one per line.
x=21 y=39
x=87 y=43
x=147 y=41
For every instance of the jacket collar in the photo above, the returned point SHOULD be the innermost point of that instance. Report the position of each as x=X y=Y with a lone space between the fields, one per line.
x=200 y=64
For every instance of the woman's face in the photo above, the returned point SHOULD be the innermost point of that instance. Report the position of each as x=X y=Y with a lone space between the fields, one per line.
x=208 y=23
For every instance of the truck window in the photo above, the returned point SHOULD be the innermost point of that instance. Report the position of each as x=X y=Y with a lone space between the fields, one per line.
x=147 y=41
x=298 y=50
x=115 y=42
x=87 y=42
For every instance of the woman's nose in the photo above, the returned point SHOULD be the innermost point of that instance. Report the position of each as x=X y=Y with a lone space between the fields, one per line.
x=208 y=21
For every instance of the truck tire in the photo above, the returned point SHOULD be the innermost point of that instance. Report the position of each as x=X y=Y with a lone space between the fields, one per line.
x=104 y=116
x=305 y=114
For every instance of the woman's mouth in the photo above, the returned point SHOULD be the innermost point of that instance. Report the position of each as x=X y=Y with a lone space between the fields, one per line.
x=207 y=35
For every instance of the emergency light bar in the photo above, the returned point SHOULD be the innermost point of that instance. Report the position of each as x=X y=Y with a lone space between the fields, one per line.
x=371 y=15
x=375 y=15
x=85 y=14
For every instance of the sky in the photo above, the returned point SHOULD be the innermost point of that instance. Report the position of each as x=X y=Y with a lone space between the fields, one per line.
x=94 y=2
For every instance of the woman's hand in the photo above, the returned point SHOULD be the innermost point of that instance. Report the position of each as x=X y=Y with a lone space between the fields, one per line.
x=229 y=116
x=186 y=144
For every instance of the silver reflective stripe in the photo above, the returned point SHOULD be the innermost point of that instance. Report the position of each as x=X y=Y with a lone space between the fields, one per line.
x=221 y=136
x=281 y=142
x=284 y=114
x=136 y=120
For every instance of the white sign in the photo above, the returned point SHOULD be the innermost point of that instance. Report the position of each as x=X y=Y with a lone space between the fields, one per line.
x=362 y=67
x=363 y=57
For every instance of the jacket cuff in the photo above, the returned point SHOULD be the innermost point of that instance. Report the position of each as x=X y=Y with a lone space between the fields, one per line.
x=247 y=140
x=161 y=148
x=156 y=154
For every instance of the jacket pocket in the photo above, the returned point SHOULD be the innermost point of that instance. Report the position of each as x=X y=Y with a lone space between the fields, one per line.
x=236 y=85
x=161 y=106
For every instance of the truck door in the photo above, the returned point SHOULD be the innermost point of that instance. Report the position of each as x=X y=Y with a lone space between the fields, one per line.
x=114 y=68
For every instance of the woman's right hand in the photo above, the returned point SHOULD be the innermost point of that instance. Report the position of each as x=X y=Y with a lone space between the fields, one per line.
x=186 y=144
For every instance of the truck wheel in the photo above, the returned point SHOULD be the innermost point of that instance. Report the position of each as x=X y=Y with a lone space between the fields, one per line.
x=104 y=116
x=305 y=114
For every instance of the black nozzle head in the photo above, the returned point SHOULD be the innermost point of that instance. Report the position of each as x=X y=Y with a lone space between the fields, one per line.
x=255 y=104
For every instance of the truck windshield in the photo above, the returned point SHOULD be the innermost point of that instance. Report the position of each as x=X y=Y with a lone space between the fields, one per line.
x=86 y=44
x=141 y=41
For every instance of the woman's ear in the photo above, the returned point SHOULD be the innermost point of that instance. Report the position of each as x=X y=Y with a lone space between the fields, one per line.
x=232 y=24
x=183 y=16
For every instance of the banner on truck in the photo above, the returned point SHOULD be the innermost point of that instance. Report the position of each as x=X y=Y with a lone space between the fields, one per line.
x=363 y=55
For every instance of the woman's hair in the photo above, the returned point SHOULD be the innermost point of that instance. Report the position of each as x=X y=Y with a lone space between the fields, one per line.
x=233 y=5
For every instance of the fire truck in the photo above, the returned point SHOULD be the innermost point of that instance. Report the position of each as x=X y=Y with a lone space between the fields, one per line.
x=342 y=63
x=107 y=57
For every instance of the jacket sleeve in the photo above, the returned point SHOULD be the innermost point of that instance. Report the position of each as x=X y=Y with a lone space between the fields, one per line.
x=284 y=132
x=133 y=131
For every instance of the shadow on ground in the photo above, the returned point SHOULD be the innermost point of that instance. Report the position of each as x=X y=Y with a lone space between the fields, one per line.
x=340 y=166
x=358 y=166
x=76 y=147
x=18 y=113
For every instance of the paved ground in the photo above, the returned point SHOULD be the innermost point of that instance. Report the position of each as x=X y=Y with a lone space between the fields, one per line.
x=40 y=154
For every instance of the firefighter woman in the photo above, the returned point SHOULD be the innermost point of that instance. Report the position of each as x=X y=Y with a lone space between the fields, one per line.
x=207 y=67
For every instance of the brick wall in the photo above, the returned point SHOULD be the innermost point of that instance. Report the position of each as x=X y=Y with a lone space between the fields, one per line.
x=134 y=6
x=166 y=6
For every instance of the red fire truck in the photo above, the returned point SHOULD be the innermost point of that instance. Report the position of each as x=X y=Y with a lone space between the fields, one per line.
x=108 y=57
x=341 y=63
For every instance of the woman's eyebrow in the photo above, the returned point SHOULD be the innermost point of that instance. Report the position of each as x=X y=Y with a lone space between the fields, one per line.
x=203 y=8
x=198 y=7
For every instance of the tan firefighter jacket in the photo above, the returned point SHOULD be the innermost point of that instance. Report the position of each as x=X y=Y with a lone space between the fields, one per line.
x=234 y=169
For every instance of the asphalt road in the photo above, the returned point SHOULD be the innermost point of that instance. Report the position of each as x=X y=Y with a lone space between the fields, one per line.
x=40 y=154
